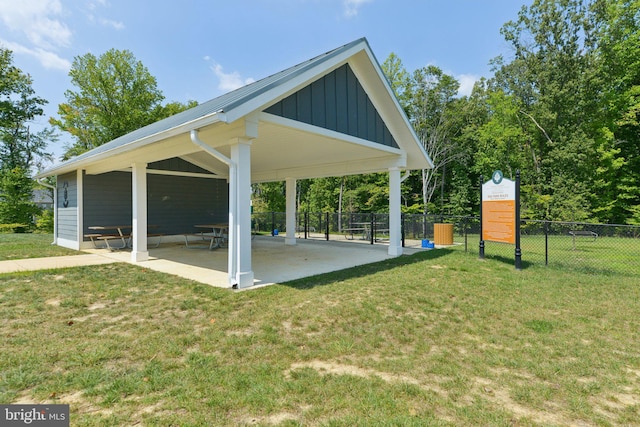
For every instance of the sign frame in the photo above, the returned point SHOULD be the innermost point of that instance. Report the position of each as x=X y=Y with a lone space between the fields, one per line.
x=500 y=213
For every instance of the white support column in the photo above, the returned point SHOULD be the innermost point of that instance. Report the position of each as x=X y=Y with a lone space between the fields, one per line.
x=79 y=209
x=290 y=239
x=241 y=156
x=395 y=218
x=139 y=212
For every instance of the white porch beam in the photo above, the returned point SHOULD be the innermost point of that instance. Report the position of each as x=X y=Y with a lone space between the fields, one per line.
x=139 y=212
x=335 y=169
x=395 y=218
x=290 y=238
x=241 y=156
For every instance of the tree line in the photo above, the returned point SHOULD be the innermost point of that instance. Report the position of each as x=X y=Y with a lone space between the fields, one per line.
x=563 y=108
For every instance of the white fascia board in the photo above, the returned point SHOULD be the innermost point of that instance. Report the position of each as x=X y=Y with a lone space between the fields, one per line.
x=279 y=92
x=408 y=132
x=304 y=127
x=70 y=165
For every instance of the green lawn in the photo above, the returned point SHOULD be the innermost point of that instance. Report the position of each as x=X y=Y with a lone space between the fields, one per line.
x=604 y=255
x=437 y=338
x=20 y=246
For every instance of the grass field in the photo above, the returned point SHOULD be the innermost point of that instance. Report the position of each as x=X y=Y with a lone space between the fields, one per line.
x=20 y=246
x=437 y=338
x=604 y=255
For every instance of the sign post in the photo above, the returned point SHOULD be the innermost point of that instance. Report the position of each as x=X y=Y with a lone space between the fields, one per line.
x=500 y=213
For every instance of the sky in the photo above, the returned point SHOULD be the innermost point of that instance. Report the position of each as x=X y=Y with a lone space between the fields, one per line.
x=200 y=49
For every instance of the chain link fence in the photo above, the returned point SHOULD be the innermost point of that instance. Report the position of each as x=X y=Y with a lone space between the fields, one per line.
x=593 y=248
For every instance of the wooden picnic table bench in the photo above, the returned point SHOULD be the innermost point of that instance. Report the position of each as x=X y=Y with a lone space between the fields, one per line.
x=352 y=231
x=217 y=237
x=124 y=237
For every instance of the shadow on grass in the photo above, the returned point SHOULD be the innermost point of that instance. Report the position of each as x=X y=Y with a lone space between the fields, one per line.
x=510 y=261
x=365 y=270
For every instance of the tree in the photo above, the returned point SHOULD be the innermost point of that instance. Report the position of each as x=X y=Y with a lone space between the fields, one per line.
x=618 y=177
x=115 y=95
x=555 y=84
x=399 y=79
x=20 y=149
x=431 y=112
x=18 y=106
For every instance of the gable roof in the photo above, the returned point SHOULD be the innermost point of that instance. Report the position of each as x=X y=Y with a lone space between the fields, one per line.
x=257 y=96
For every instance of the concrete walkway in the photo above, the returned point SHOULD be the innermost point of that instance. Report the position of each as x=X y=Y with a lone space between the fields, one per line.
x=272 y=260
x=31 y=264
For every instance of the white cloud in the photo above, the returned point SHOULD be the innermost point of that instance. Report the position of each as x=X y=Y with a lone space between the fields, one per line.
x=352 y=7
x=48 y=59
x=228 y=81
x=38 y=20
x=466 y=83
x=116 y=25
x=37 y=29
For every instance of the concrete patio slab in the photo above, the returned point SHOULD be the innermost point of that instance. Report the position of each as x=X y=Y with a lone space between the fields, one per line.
x=272 y=260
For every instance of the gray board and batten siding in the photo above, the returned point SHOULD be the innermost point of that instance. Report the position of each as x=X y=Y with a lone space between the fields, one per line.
x=67 y=216
x=336 y=102
x=174 y=203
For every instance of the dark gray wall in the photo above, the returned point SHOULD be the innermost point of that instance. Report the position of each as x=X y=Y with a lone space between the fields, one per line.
x=107 y=200
x=67 y=207
x=337 y=102
x=177 y=203
x=177 y=164
x=174 y=203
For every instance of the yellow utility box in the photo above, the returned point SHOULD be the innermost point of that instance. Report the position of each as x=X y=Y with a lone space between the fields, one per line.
x=443 y=234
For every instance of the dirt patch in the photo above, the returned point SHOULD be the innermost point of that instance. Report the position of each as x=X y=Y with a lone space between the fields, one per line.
x=96 y=306
x=53 y=302
x=75 y=400
x=273 y=419
x=501 y=397
x=331 y=368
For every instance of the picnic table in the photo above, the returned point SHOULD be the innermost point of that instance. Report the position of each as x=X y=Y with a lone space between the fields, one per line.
x=217 y=237
x=357 y=228
x=120 y=234
x=108 y=237
x=363 y=229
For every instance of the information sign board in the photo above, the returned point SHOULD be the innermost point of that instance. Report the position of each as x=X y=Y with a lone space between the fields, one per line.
x=499 y=209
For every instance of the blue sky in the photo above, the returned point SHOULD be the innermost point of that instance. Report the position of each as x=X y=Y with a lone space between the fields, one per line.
x=199 y=49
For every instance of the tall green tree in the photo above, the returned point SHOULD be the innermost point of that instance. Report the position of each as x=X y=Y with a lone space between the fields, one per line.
x=19 y=105
x=115 y=94
x=618 y=47
x=432 y=112
x=21 y=150
x=554 y=80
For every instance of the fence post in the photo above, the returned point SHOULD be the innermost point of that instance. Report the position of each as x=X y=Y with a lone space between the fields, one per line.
x=518 y=251
x=373 y=230
x=464 y=224
x=327 y=226
x=481 y=247
x=401 y=228
x=546 y=243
